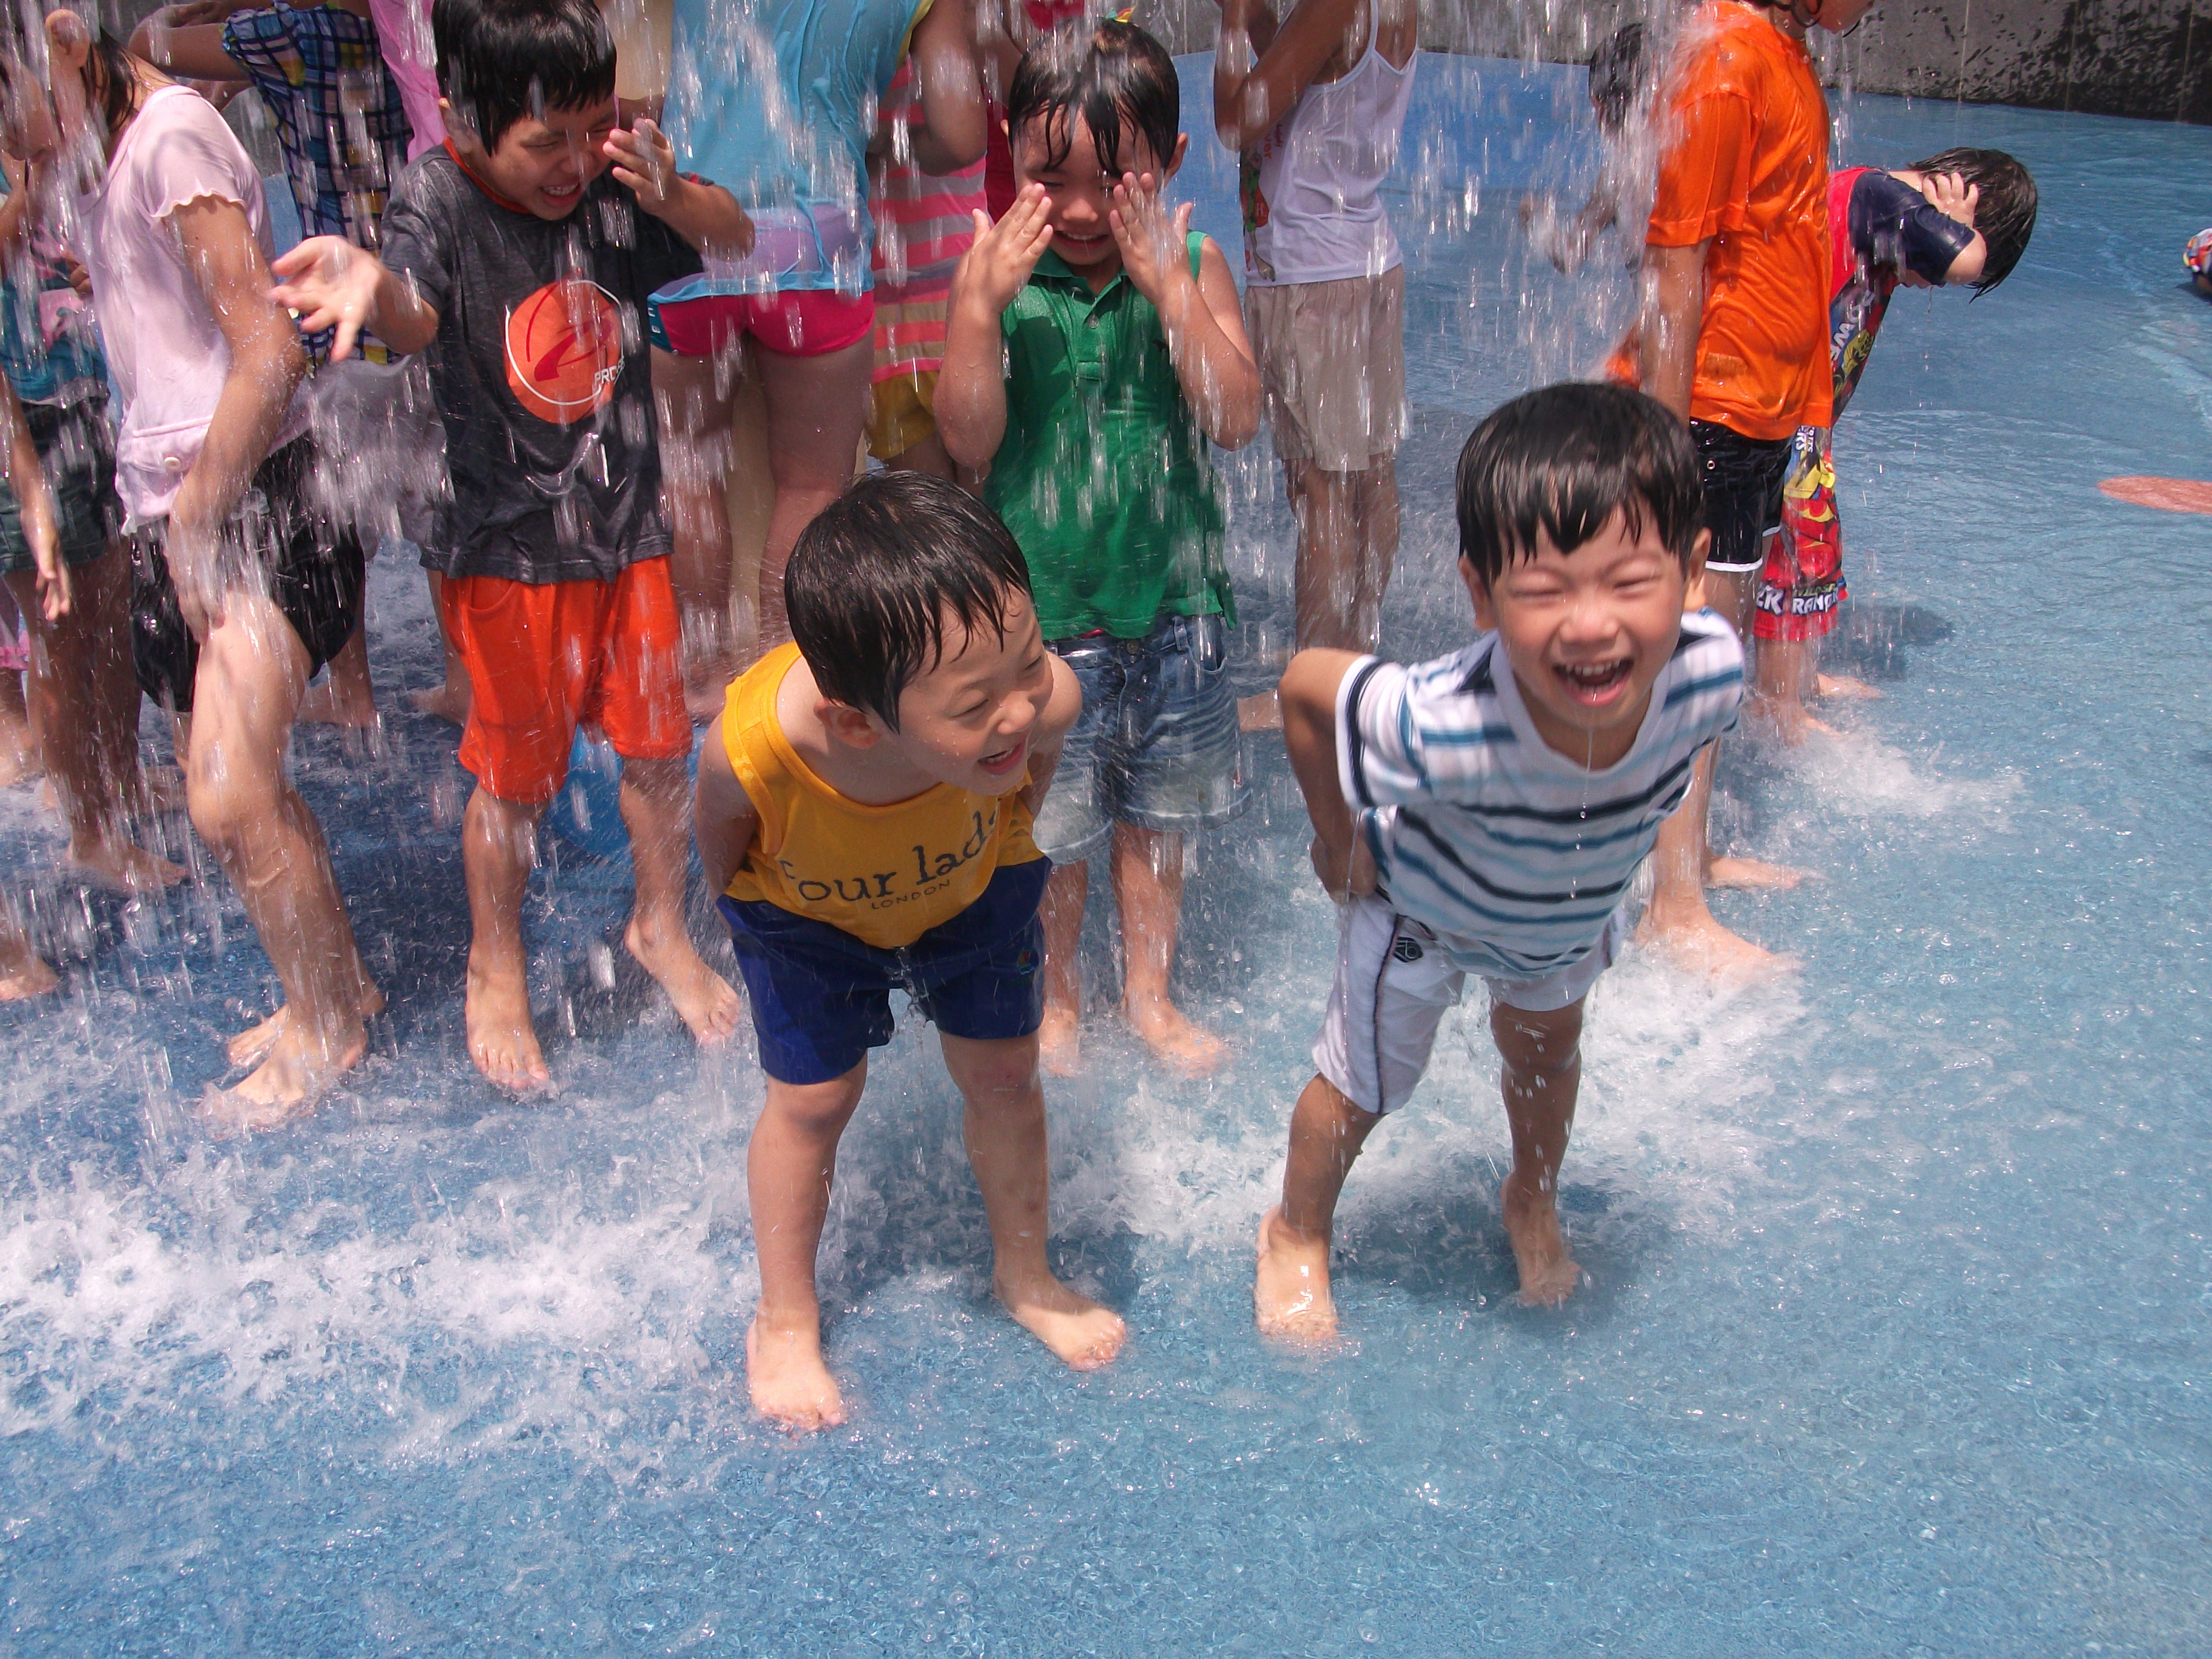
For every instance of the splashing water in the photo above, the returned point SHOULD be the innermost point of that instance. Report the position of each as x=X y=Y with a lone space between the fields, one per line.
x=1900 y=1307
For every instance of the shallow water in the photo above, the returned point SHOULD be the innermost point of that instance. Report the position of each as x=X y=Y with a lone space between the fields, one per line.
x=1900 y=1309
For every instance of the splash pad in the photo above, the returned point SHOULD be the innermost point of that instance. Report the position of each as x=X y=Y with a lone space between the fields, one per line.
x=1897 y=1336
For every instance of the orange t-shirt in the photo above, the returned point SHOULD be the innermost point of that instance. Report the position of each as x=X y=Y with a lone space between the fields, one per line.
x=1744 y=161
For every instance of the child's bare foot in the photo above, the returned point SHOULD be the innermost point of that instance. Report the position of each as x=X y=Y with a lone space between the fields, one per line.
x=706 y=1001
x=1752 y=875
x=502 y=1042
x=256 y=1040
x=791 y=1387
x=1060 y=1042
x=289 y=1080
x=1841 y=685
x=1549 y=1273
x=1697 y=942
x=24 y=973
x=1263 y=713
x=117 y=865
x=1290 y=1296
x=448 y=701
x=1081 y=1333
x=326 y=706
x=1184 y=1047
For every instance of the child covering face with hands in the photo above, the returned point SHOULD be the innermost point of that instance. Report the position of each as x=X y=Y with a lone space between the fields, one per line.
x=1095 y=347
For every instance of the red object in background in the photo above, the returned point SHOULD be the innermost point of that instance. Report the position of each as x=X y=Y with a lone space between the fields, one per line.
x=2167 y=494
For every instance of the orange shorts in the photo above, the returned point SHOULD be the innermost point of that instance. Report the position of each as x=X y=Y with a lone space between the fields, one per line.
x=546 y=658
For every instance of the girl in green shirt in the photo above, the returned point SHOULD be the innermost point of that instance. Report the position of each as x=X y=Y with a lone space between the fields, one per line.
x=1094 y=348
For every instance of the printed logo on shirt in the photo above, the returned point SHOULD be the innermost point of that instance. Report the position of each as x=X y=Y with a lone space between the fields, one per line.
x=564 y=351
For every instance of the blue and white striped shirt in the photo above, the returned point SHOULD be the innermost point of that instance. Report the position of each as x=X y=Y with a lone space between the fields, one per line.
x=1514 y=854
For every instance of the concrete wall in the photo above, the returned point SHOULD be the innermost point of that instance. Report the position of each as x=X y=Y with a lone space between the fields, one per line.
x=2143 y=57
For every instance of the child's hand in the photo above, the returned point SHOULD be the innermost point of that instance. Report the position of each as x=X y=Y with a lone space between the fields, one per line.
x=1950 y=195
x=1151 y=240
x=53 y=575
x=999 y=261
x=329 y=283
x=645 y=160
x=1347 y=875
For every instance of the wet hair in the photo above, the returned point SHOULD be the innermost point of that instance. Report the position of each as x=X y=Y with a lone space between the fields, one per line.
x=1620 y=76
x=111 y=85
x=501 y=60
x=883 y=572
x=1112 y=74
x=1564 y=459
x=2004 y=213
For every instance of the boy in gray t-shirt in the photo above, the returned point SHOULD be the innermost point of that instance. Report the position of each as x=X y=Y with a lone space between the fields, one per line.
x=529 y=266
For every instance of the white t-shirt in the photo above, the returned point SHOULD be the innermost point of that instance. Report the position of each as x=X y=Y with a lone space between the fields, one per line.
x=1513 y=853
x=169 y=356
x=1313 y=213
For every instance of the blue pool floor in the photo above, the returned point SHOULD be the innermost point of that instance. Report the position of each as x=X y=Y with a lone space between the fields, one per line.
x=1896 y=1333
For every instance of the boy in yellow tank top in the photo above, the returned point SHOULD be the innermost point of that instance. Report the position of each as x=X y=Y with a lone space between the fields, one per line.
x=865 y=811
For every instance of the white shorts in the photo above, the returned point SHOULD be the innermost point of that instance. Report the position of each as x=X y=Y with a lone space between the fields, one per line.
x=1393 y=983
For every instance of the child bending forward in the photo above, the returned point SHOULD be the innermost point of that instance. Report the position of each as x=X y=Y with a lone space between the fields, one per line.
x=865 y=813
x=1485 y=812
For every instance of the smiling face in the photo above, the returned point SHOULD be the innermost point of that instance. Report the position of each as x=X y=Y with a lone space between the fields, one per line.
x=545 y=164
x=968 y=721
x=1080 y=191
x=1588 y=633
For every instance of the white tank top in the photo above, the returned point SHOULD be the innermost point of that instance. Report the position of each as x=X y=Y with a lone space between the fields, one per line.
x=1311 y=210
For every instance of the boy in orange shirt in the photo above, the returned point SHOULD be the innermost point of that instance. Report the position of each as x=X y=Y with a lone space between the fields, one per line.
x=1735 y=339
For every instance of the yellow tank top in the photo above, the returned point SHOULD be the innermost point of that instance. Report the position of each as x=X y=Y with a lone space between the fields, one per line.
x=884 y=874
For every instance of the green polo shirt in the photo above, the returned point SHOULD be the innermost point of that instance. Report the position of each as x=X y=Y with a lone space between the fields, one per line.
x=1102 y=475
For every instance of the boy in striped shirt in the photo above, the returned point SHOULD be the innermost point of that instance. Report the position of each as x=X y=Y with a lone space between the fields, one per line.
x=1485 y=812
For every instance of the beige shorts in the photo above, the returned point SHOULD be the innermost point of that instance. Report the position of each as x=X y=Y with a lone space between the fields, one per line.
x=1332 y=367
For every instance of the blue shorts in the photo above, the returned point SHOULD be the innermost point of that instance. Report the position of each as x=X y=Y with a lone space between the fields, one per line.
x=1156 y=744
x=822 y=999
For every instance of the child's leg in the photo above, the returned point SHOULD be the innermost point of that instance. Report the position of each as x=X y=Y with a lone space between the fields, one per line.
x=817 y=409
x=1060 y=1037
x=19 y=744
x=103 y=592
x=448 y=701
x=1291 y=1294
x=1148 y=892
x=499 y=848
x=23 y=973
x=788 y=1170
x=656 y=805
x=347 y=698
x=1541 y=1077
x=75 y=710
x=1378 y=552
x=1005 y=1129
x=252 y=670
x=1678 y=918
x=1325 y=505
x=694 y=395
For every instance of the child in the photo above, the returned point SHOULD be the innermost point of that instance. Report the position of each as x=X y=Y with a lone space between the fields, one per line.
x=342 y=123
x=925 y=222
x=529 y=269
x=1620 y=95
x=1315 y=108
x=780 y=113
x=241 y=588
x=79 y=613
x=1963 y=216
x=866 y=809
x=1734 y=339
x=1123 y=354
x=1485 y=812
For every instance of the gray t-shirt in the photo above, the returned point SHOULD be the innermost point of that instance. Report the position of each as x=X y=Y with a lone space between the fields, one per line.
x=541 y=372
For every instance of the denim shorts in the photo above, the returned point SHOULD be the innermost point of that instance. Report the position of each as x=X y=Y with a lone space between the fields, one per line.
x=1156 y=744
x=821 y=998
